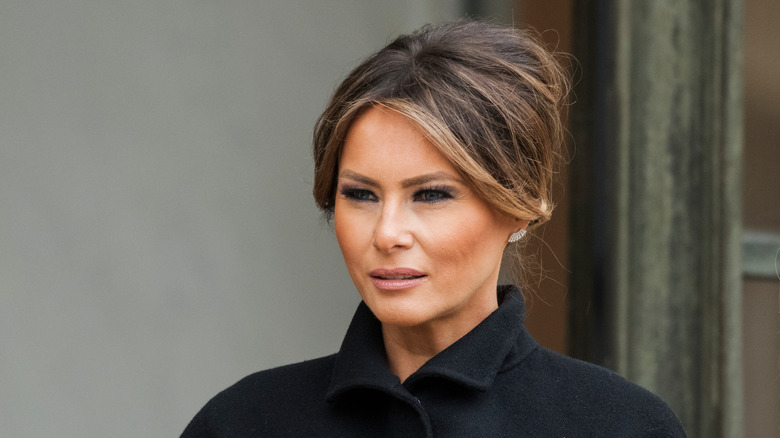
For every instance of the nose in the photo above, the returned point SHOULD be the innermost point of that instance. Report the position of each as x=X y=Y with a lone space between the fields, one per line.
x=393 y=231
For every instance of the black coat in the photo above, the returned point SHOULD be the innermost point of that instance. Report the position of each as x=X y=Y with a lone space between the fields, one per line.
x=496 y=381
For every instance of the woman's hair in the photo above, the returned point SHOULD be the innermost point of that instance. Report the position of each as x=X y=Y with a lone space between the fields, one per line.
x=489 y=98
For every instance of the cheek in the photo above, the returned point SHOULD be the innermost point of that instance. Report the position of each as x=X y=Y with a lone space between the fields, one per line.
x=464 y=242
x=340 y=227
x=349 y=234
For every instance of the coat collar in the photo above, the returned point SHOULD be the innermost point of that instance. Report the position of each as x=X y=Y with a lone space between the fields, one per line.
x=473 y=361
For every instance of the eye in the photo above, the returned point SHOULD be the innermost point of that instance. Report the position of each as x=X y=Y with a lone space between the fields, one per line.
x=357 y=195
x=432 y=195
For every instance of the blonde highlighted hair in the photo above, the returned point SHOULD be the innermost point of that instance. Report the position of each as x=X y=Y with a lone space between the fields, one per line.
x=490 y=98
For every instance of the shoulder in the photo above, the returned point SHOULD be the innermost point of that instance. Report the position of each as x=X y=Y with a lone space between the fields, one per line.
x=277 y=393
x=590 y=396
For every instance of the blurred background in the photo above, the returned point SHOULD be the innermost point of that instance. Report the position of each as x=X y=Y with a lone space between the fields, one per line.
x=158 y=239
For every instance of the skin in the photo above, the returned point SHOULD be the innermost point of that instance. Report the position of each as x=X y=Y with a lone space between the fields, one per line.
x=401 y=204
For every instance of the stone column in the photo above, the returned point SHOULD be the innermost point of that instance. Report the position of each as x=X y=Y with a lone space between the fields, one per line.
x=655 y=290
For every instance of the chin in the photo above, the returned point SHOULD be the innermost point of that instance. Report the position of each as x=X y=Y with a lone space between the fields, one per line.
x=398 y=312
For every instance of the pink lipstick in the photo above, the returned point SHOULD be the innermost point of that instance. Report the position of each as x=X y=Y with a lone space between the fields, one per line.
x=398 y=278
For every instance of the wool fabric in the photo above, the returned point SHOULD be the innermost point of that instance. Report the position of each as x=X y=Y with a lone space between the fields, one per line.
x=496 y=381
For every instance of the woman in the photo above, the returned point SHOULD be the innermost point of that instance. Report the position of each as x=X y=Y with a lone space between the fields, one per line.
x=432 y=156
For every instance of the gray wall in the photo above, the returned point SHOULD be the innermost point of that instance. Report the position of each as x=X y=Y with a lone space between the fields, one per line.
x=158 y=240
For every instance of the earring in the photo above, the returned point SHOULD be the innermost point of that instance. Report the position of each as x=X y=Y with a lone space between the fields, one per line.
x=517 y=236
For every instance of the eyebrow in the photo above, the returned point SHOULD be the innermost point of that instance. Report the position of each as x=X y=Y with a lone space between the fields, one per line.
x=411 y=182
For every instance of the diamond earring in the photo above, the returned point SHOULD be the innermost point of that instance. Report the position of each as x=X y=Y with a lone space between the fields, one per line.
x=517 y=236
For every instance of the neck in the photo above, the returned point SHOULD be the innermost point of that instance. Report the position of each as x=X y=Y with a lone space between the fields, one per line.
x=409 y=348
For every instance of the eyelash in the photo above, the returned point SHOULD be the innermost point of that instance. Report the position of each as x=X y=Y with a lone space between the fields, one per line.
x=357 y=194
x=444 y=193
x=354 y=193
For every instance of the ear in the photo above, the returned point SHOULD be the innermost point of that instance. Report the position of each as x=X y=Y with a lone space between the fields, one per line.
x=520 y=225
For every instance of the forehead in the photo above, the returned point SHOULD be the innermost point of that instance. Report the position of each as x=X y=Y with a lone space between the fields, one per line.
x=385 y=141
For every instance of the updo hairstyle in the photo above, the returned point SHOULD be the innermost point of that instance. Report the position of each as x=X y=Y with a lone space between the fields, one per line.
x=489 y=97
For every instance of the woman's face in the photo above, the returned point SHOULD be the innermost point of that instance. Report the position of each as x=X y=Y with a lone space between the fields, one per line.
x=420 y=247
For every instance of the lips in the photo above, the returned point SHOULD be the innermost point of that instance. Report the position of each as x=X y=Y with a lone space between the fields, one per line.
x=395 y=279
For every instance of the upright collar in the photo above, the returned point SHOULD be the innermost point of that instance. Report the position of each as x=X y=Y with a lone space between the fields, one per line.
x=473 y=361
